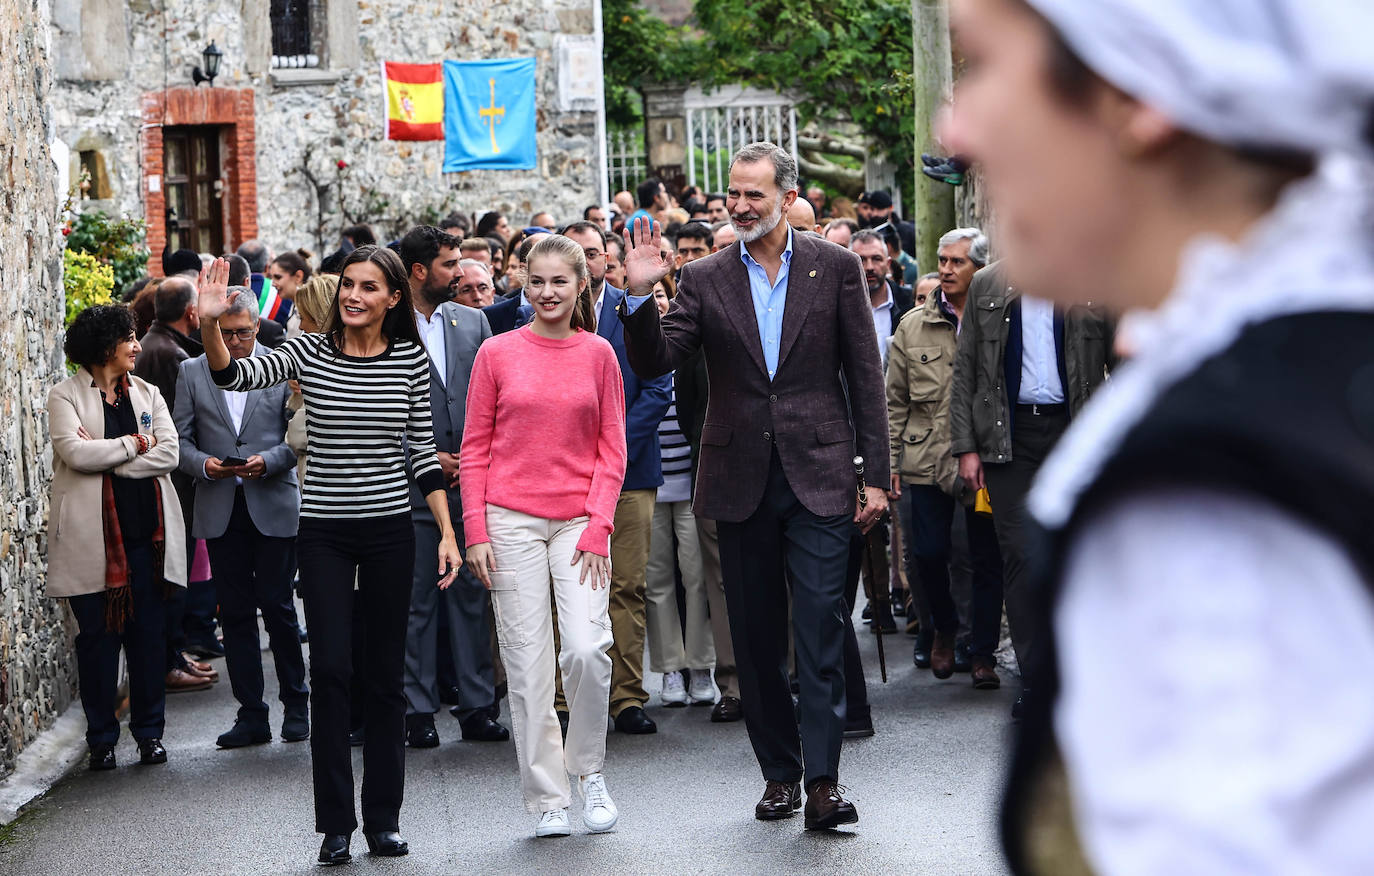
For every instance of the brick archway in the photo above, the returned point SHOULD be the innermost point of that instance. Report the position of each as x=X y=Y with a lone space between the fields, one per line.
x=232 y=110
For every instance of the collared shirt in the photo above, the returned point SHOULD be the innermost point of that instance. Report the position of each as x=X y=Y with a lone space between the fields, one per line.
x=596 y=306
x=432 y=333
x=882 y=322
x=770 y=300
x=1040 y=383
x=237 y=403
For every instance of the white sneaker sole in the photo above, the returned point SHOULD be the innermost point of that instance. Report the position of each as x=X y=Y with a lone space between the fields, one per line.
x=549 y=832
x=603 y=828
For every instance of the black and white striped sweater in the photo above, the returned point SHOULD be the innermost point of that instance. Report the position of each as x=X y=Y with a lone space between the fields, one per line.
x=358 y=412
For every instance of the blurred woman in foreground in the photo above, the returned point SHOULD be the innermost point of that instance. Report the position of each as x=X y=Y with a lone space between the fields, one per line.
x=1203 y=167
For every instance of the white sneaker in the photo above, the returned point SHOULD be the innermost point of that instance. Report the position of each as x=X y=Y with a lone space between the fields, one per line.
x=554 y=823
x=702 y=690
x=674 y=692
x=598 y=811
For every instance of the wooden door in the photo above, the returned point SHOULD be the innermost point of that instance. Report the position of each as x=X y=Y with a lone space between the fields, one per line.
x=194 y=184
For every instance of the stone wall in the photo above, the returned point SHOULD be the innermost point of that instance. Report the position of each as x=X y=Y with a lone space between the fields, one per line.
x=308 y=120
x=37 y=668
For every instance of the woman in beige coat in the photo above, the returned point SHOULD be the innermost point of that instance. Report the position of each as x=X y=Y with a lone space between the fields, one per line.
x=116 y=541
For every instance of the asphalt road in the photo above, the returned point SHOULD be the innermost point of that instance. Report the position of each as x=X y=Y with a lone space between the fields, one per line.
x=926 y=787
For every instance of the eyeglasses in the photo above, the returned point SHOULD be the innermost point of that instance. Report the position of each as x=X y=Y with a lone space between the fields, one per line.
x=242 y=334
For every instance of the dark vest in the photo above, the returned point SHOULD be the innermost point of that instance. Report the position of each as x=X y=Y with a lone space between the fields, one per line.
x=1285 y=415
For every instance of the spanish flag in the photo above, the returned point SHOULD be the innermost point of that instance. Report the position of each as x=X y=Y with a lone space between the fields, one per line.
x=414 y=101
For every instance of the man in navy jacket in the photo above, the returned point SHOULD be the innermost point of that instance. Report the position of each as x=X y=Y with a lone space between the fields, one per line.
x=646 y=401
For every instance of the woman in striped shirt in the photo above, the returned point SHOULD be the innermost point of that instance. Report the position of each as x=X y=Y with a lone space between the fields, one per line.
x=365 y=381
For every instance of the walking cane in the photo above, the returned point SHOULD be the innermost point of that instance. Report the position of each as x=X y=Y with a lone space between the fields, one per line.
x=877 y=594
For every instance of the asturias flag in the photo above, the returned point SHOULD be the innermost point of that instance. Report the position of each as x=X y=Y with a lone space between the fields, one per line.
x=489 y=115
x=414 y=101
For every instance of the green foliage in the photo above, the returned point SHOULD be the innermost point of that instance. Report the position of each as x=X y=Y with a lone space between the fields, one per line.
x=86 y=281
x=639 y=48
x=116 y=243
x=850 y=58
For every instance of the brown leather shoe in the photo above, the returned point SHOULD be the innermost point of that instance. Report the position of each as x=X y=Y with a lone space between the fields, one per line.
x=201 y=670
x=727 y=710
x=826 y=809
x=942 y=655
x=181 y=681
x=780 y=800
x=985 y=674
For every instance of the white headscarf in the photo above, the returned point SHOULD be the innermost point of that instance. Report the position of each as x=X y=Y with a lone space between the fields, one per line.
x=1277 y=73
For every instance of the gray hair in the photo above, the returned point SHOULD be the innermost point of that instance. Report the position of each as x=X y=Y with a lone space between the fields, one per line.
x=867 y=236
x=469 y=264
x=240 y=299
x=978 y=248
x=255 y=253
x=784 y=165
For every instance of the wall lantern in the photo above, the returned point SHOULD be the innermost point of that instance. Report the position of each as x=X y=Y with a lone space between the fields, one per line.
x=212 y=56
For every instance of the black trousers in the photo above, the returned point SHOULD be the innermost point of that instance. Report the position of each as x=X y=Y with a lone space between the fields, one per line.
x=929 y=521
x=1032 y=439
x=857 y=709
x=97 y=656
x=783 y=544
x=253 y=573
x=380 y=552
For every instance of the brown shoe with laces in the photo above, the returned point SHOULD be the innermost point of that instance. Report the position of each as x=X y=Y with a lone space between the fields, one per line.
x=780 y=800
x=942 y=655
x=826 y=809
x=181 y=681
x=985 y=674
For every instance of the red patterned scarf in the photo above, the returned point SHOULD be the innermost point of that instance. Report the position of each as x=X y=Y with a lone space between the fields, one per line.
x=119 y=597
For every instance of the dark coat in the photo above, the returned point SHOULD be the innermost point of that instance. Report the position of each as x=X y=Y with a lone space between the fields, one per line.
x=159 y=362
x=987 y=365
x=803 y=412
x=646 y=401
x=504 y=315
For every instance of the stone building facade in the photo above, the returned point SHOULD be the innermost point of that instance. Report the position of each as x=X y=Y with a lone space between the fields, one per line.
x=289 y=147
x=37 y=667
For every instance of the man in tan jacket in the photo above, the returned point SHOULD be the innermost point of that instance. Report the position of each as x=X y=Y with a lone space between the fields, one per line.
x=920 y=373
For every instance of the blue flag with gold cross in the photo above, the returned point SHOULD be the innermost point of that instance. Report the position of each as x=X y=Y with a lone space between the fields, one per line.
x=489 y=115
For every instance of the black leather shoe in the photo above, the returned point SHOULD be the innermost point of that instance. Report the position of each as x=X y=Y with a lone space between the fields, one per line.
x=356 y=736
x=295 y=727
x=920 y=653
x=387 y=844
x=632 y=720
x=826 y=809
x=479 y=727
x=962 y=661
x=208 y=650
x=102 y=758
x=245 y=733
x=334 y=849
x=420 y=732
x=860 y=727
x=150 y=751
x=449 y=696
x=780 y=800
x=727 y=711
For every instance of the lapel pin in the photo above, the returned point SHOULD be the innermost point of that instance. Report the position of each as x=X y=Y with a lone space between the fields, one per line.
x=813 y=273
x=146 y=420
x=453 y=322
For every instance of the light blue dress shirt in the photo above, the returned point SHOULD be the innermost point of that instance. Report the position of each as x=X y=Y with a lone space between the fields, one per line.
x=1040 y=383
x=770 y=300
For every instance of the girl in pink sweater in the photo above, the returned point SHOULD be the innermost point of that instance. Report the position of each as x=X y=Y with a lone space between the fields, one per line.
x=542 y=462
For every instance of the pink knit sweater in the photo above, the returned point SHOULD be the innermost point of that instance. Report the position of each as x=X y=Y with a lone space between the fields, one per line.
x=544 y=433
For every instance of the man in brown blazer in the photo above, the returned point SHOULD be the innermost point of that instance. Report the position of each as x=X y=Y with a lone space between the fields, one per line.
x=785 y=325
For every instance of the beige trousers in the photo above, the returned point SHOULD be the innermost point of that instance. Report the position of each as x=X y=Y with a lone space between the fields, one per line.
x=530 y=552
x=727 y=679
x=667 y=650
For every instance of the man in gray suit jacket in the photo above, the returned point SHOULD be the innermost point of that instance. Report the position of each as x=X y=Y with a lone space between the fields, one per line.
x=786 y=328
x=248 y=513
x=452 y=333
